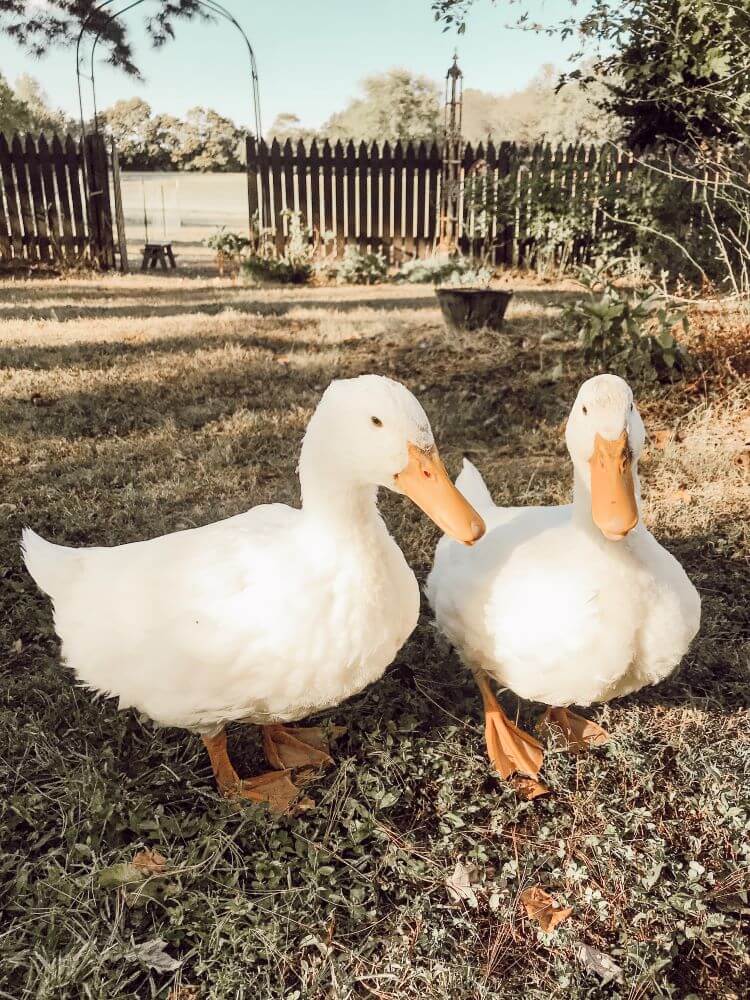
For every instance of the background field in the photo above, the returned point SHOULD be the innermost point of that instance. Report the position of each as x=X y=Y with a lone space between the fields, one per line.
x=134 y=406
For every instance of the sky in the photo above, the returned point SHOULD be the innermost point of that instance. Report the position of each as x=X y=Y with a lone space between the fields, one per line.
x=310 y=55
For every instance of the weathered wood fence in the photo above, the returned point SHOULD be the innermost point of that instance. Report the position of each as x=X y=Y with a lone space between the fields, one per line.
x=388 y=197
x=55 y=204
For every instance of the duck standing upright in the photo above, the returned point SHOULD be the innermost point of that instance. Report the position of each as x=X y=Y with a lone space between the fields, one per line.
x=275 y=613
x=566 y=605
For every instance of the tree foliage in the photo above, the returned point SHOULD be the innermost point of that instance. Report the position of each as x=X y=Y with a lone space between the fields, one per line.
x=540 y=111
x=38 y=26
x=395 y=105
x=679 y=70
x=203 y=140
x=673 y=70
x=26 y=108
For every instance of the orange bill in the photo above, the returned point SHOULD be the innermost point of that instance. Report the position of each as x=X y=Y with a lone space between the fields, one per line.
x=613 y=504
x=425 y=481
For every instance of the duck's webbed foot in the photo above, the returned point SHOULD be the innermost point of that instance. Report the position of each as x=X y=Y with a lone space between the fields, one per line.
x=275 y=788
x=515 y=755
x=577 y=732
x=296 y=746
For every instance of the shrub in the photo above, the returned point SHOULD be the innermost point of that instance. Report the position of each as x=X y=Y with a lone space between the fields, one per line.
x=229 y=247
x=435 y=270
x=358 y=268
x=629 y=331
x=294 y=267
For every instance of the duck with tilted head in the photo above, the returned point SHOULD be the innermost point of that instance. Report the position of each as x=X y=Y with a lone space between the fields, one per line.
x=569 y=605
x=273 y=614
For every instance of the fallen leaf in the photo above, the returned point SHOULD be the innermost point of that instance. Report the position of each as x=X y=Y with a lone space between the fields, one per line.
x=459 y=885
x=600 y=963
x=528 y=788
x=682 y=495
x=153 y=955
x=119 y=875
x=660 y=438
x=150 y=862
x=542 y=908
x=184 y=993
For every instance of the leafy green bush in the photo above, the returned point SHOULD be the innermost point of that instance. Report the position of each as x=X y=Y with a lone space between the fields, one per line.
x=629 y=331
x=294 y=267
x=229 y=247
x=357 y=267
x=229 y=244
x=435 y=270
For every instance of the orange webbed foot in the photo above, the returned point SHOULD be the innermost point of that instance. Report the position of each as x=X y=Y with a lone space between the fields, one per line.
x=578 y=733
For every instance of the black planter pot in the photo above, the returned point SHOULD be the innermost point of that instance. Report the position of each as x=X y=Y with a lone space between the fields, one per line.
x=473 y=308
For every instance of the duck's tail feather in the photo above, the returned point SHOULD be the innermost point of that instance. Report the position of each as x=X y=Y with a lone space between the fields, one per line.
x=52 y=566
x=473 y=487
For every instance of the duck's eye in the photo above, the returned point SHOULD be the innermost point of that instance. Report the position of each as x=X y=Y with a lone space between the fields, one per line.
x=377 y=421
x=585 y=411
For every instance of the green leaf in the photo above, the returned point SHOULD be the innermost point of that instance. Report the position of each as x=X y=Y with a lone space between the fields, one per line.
x=118 y=875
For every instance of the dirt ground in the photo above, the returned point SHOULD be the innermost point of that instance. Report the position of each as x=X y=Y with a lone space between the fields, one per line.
x=137 y=405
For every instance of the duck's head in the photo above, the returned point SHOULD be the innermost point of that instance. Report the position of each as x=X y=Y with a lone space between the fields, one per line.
x=605 y=437
x=371 y=431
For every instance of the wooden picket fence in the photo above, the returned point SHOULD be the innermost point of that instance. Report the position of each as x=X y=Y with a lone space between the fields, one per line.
x=388 y=197
x=55 y=205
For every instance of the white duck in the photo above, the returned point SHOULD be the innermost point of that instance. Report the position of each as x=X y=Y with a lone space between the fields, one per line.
x=566 y=605
x=270 y=615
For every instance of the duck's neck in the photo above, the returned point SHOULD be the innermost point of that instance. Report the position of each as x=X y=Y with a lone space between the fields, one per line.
x=339 y=506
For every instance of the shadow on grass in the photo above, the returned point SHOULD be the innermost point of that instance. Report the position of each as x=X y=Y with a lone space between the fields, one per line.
x=199 y=306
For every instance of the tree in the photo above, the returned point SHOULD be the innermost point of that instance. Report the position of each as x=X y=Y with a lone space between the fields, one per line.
x=541 y=111
x=208 y=141
x=44 y=118
x=38 y=26
x=672 y=70
x=396 y=105
x=679 y=69
x=128 y=123
x=288 y=126
x=15 y=115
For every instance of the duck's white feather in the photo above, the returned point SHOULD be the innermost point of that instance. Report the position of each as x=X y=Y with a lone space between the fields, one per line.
x=204 y=626
x=266 y=616
x=555 y=612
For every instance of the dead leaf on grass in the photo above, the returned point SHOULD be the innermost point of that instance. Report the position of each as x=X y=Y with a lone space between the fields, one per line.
x=681 y=495
x=153 y=955
x=600 y=963
x=150 y=862
x=528 y=788
x=660 y=438
x=460 y=883
x=542 y=908
x=184 y=993
x=120 y=875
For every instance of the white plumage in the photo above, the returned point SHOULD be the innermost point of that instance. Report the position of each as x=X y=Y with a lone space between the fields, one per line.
x=546 y=604
x=266 y=616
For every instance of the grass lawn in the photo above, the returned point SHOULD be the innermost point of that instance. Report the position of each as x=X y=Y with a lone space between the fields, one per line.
x=136 y=406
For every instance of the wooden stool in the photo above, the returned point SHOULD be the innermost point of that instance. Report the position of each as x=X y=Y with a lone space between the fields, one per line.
x=158 y=253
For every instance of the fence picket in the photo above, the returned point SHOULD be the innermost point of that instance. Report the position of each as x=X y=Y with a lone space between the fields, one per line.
x=50 y=200
x=339 y=182
x=73 y=158
x=398 y=203
x=11 y=198
x=36 y=196
x=326 y=169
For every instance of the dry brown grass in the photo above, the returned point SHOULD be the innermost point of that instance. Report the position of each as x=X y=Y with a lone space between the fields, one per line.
x=135 y=406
